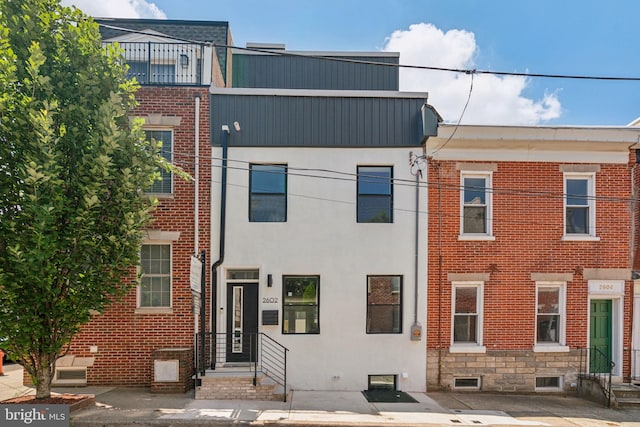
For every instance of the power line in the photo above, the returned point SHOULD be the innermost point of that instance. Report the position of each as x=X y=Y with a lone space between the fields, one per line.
x=353 y=177
x=382 y=64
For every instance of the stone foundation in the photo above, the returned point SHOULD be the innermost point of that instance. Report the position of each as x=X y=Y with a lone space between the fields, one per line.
x=503 y=371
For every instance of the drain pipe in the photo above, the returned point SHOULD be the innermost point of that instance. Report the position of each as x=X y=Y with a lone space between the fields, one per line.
x=416 y=327
x=223 y=219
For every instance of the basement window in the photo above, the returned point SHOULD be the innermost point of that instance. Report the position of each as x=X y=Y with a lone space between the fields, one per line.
x=382 y=382
x=548 y=383
x=466 y=383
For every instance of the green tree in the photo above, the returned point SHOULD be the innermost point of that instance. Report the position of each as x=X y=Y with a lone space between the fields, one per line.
x=72 y=166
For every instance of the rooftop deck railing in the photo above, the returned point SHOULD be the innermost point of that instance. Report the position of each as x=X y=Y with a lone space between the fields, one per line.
x=153 y=63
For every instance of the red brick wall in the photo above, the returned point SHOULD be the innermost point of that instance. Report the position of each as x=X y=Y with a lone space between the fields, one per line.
x=126 y=340
x=528 y=227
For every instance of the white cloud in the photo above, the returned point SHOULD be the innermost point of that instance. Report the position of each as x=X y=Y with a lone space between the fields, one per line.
x=494 y=99
x=118 y=8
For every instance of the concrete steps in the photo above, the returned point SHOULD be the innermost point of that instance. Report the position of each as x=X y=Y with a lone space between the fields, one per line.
x=238 y=386
x=626 y=395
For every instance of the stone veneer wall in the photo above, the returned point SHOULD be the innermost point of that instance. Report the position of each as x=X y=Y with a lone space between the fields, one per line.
x=503 y=370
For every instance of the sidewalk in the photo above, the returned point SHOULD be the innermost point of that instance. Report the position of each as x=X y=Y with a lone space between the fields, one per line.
x=128 y=406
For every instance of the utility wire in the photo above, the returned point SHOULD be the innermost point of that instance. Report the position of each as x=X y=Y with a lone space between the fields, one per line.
x=353 y=177
x=382 y=64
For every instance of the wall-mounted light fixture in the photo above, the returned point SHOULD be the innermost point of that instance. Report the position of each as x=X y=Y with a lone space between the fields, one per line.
x=269 y=280
x=184 y=60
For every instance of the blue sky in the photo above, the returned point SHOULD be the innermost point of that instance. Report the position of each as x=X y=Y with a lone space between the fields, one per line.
x=545 y=36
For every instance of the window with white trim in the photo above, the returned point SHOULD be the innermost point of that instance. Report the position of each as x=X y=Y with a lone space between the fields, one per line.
x=467 y=314
x=550 y=314
x=475 y=204
x=155 y=284
x=164 y=183
x=579 y=204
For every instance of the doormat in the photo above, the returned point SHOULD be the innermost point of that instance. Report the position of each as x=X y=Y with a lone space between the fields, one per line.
x=387 y=396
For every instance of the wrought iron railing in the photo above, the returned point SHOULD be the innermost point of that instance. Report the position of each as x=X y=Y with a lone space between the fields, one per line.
x=597 y=366
x=241 y=353
x=635 y=365
x=153 y=63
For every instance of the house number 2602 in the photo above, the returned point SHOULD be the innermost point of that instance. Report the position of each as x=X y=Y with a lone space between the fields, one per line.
x=269 y=300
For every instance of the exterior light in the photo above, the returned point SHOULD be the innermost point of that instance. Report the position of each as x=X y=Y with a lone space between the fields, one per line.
x=184 y=60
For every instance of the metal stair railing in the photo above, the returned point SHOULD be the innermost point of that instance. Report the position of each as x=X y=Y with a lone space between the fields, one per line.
x=242 y=353
x=596 y=365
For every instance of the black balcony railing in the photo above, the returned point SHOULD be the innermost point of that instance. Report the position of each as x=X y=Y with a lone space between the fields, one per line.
x=152 y=63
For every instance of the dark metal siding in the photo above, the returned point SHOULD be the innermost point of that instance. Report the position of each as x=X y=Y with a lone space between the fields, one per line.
x=314 y=121
x=306 y=72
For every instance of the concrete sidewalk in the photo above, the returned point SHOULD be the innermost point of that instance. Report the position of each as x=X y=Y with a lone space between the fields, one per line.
x=137 y=406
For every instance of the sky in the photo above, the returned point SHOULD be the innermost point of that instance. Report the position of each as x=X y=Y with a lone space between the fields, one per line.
x=567 y=37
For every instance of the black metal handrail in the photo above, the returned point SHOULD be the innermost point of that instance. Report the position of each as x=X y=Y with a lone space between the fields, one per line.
x=596 y=365
x=635 y=364
x=153 y=63
x=241 y=353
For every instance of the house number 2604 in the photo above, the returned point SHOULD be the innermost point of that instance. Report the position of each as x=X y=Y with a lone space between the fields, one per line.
x=269 y=300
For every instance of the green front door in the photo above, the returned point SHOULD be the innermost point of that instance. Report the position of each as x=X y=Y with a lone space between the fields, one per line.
x=600 y=335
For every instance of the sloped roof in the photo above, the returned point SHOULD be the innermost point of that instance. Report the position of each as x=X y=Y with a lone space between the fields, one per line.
x=203 y=31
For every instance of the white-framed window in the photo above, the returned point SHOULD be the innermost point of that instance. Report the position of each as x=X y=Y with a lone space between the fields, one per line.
x=579 y=205
x=467 y=316
x=163 y=185
x=154 y=290
x=550 y=316
x=476 y=204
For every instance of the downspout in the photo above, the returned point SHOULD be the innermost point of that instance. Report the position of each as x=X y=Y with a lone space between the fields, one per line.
x=416 y=327
x=196 y=177
x=223 y=219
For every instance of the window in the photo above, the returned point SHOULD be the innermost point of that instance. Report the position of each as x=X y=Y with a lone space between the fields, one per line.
x=476 y=204
x=579 y=204
x=268 y=193
x=375 y=194
x=548 y=383
x=384 y=304
x=164 y=185
x=472 y=383
x=549 y=314
x=155 y=287
x=156 y=73
x=301 y=302
x=467 y=319
x=382 y=382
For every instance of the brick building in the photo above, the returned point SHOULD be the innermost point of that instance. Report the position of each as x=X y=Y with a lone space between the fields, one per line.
x=158 y=319
x=530 y=254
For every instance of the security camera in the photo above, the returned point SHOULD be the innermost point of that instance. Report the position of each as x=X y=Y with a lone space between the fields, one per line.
x=236 y=125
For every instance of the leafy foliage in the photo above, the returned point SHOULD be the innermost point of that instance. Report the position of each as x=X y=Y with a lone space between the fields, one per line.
x=72 y=166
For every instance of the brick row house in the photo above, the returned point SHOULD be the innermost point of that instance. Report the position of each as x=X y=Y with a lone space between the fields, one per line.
x=347 y=231
x=117 y=346
x=531 y=237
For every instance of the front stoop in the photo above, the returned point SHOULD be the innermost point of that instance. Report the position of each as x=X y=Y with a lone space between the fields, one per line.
x=237 y=387
x=626 y=395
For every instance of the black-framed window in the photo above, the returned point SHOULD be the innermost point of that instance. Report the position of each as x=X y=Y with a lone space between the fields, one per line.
x=301 y=304
x=375 y=194
x=268 y=193
x=163 y=185
x=384 y=304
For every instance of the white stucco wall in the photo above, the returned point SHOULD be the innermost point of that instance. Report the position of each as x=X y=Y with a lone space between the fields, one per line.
x=321 y=237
